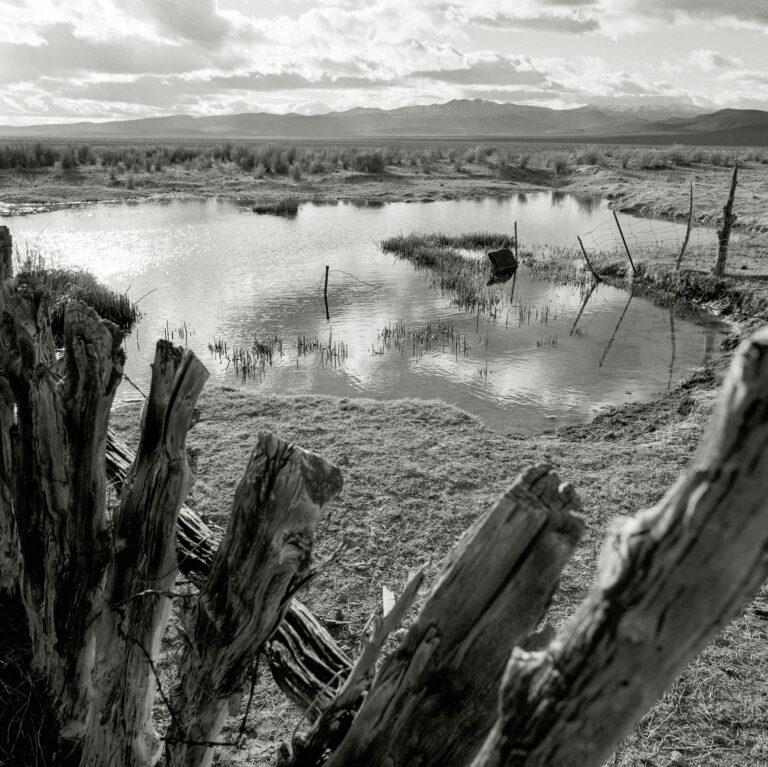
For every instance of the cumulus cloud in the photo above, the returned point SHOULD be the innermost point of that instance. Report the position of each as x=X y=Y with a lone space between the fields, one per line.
x=709 y=60
x=751 y=13
x=104 y=58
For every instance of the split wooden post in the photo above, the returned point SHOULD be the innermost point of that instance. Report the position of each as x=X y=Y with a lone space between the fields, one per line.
x=586 y=258
x=724 y=233
x=58 y=480
x=431 y=702
x=142 y=572
x=626 y=247
x=687 y=232
x=670 y=579
x=263 y=557
x=305 y=661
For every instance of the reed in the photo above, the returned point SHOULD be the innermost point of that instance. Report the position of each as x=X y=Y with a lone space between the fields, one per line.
x=251 y=362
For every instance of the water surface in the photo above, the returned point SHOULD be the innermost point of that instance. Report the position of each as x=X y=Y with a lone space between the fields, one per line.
x=221 y=272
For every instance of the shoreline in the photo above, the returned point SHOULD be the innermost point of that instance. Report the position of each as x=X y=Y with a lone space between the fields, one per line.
x=661 y=194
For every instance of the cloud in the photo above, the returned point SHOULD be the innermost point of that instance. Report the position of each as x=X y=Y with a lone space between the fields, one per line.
x=527 y=16
x=197 y=20
x=709 y=60
x=102 y=58
x=751 y=13
x=489 y=70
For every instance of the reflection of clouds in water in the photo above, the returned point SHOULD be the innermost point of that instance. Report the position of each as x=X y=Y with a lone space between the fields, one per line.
x=230 y=274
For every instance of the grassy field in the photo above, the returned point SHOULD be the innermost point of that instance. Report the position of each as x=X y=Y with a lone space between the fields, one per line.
x=418 y=473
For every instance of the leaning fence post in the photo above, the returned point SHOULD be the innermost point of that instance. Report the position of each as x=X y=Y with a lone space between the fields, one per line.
x=586 y=258
x=626 y=247
x=687 y=232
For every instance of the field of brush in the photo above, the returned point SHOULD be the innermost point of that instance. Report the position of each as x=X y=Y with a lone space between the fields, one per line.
x=276 y=177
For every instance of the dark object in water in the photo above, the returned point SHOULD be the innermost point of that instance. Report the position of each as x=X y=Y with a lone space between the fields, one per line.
x=503 y=260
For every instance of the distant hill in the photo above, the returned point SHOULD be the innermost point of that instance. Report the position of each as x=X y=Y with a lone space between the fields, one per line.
x=455 y=119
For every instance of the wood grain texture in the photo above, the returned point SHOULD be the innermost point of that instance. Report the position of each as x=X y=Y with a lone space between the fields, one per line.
x=670 y=578
x=58 y=479
x=433 y=701
x=264 y=554
x=305 y=661
x=142 y=571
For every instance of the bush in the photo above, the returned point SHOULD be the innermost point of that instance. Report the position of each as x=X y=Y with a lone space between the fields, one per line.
x=369 y=162
x=295 y=172
x=130 y=181
x=260 y=170
x=559 y=163
x=624 y=158
x=524 y=161
x=680 y=155
x=589 y=156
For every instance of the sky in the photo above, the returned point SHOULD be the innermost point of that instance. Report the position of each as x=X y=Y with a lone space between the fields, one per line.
x=122 y=59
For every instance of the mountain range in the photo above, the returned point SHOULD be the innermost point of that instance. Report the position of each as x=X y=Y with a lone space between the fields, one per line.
x=455 y=119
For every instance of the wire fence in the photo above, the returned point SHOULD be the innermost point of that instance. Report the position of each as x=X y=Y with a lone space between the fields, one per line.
x=648 y=238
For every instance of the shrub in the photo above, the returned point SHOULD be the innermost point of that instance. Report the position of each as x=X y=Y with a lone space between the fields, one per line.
x=624 y=158
x=260 y=170
x=369 y=162
x=295 y=172
x=524 y=161
x=589 y=156
x=130 y=181
x=680 y=155
x=68 y=159
x=559 y=163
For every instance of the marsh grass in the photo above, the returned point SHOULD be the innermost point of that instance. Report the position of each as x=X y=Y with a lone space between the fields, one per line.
x=251 y=362
x=65 y=284
x=417 y=340
x=288 y=206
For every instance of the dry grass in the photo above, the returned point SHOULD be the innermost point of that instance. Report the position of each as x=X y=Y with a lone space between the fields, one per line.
x=418 y=473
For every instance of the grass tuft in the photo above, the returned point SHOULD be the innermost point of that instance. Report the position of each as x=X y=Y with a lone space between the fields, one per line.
x=289 y=206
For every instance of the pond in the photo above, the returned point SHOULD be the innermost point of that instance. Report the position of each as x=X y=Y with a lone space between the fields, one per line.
x=212 y=270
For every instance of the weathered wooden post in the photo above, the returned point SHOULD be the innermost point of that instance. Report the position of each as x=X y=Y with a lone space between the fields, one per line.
x=263 y=557
x=724 y=232
x=670 y=579
x=626 y=247
x=586 y=258
x=687 y=232
x=431 y=701
x=142 y=572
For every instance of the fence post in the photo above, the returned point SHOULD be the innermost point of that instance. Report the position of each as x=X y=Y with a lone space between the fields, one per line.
x=626 y=247
x=724 y=233
x=325 y=294
x=687 y=232
x=586 y=258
